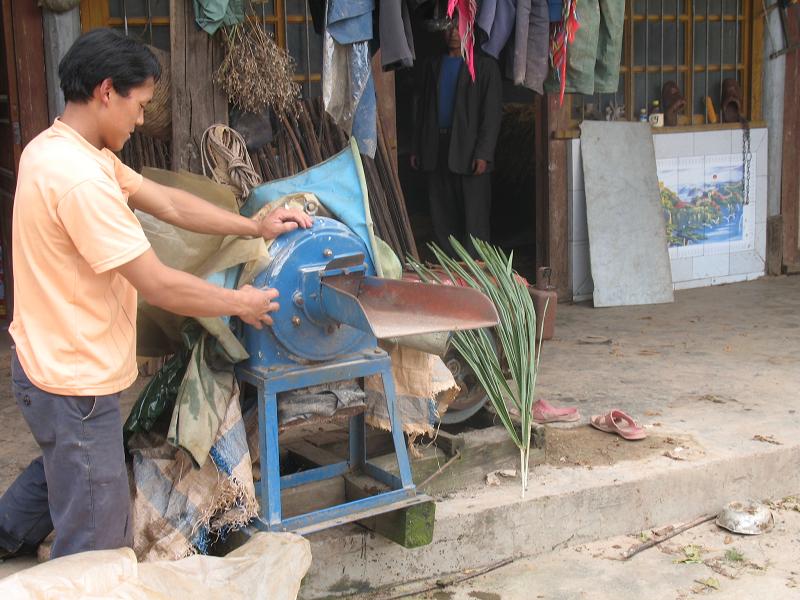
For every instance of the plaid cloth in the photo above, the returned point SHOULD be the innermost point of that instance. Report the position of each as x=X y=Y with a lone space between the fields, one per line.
x=179 y=509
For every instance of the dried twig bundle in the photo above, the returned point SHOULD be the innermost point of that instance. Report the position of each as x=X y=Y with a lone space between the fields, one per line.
x=255 y=72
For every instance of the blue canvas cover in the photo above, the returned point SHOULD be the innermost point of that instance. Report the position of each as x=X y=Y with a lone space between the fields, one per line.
x=338 y=184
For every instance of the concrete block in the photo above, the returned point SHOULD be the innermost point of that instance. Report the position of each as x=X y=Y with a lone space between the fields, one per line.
x=746 y=263
x=711 y=266
x=728 y=279
x=681 y=269
x=692 y=284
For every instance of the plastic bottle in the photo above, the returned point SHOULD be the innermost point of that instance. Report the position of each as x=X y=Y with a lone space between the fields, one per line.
x=656 y=117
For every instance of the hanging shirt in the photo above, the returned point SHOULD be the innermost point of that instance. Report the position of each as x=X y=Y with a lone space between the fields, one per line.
x=448 y=78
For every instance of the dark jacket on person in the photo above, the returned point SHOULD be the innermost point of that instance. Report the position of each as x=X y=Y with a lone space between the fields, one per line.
x=476 y=116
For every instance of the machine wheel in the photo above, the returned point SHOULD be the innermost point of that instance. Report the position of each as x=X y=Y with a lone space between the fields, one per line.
x=472 y=396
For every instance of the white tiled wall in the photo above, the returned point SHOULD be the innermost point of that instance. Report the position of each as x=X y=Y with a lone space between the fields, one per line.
x=696 y=266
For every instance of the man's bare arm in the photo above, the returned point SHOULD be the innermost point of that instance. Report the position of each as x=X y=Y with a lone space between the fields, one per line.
x=185 y=294
x=187 y=211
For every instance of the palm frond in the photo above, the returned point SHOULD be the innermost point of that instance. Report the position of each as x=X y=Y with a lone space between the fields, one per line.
x=516 y=332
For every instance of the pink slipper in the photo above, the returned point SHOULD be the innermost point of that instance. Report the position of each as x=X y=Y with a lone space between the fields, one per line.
x=544 y=412
x=620 y=423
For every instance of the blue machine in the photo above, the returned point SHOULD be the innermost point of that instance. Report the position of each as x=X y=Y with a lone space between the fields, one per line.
x=332 y=312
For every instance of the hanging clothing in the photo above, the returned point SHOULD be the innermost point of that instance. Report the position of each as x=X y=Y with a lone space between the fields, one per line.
x=210 y=15
x=516 y=64
x=348 y=89
x=496 y=18
x=592 y=59
x=397 y=39
x=529 y=59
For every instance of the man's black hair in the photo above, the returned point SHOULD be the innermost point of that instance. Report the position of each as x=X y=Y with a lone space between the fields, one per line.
x=102 y=54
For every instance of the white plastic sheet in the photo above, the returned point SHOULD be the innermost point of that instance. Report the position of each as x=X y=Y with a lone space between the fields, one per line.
x=269 y=565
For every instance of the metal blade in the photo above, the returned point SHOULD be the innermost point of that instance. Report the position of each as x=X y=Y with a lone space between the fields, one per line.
x=392 y=308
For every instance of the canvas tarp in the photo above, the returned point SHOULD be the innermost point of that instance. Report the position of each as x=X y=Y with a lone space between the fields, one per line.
x=269 y=565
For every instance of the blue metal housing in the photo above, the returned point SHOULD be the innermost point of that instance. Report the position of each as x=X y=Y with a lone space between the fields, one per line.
x=302 y=331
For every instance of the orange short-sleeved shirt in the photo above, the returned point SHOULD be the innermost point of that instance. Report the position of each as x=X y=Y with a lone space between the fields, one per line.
x=74 y=316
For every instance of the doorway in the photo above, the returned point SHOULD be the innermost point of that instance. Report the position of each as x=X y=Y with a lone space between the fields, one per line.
x=513 y=215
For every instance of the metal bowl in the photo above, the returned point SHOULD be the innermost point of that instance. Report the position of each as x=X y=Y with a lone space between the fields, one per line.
x=748 y=517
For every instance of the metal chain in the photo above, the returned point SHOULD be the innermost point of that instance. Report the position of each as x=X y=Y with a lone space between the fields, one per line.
x=747 y=158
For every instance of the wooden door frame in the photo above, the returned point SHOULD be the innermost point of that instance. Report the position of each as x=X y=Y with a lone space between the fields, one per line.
x=552 y=199
x=23 y=42
x=790 y=186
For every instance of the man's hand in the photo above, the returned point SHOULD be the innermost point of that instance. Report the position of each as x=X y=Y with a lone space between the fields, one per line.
x=282 y=220
x=257 y=304
x=479 y=166
x=414 y=160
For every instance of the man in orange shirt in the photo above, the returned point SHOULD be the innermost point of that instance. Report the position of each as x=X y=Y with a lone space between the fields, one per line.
x=79 y=258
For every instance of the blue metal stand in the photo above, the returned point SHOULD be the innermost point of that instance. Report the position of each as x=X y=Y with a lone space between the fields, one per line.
x=269 y=381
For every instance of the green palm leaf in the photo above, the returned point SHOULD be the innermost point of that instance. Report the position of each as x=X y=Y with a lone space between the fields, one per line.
x=516 y=332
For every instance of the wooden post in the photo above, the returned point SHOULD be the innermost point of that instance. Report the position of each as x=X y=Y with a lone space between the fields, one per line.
x=542 y=178
x=25 y=94
x=196 y=101
x=31 y=85
x=790 y=185
x=556 y=118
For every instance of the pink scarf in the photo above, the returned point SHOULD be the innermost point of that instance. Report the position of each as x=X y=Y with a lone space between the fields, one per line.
x=561 y=35
x=467 y=9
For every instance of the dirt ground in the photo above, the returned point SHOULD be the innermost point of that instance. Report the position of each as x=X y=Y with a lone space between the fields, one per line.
x=587 y=447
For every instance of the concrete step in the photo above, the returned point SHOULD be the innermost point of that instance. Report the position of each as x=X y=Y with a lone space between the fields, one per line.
x=563 y=506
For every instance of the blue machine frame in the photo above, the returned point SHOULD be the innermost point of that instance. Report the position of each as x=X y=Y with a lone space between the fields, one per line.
x=269 y=382
x=310 y=344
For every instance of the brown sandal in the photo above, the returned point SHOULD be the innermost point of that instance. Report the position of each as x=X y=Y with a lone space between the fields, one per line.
x=672 y=103
x=730 y=108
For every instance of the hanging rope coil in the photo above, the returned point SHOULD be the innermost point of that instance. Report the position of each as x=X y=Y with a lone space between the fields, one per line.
x=225 y=159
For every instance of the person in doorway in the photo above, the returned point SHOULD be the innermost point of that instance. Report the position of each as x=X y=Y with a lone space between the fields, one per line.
x=79 y=258
x=458 y=121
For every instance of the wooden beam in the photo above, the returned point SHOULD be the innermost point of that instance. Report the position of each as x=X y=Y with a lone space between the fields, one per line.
x=197 y=102
x=774 y=244
x=309 y=497
x=410 y=527
x=756 y=69
x=542 y=179
x=31 y=84
x=94 y=14
x=790 y=184
x=557 y=255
